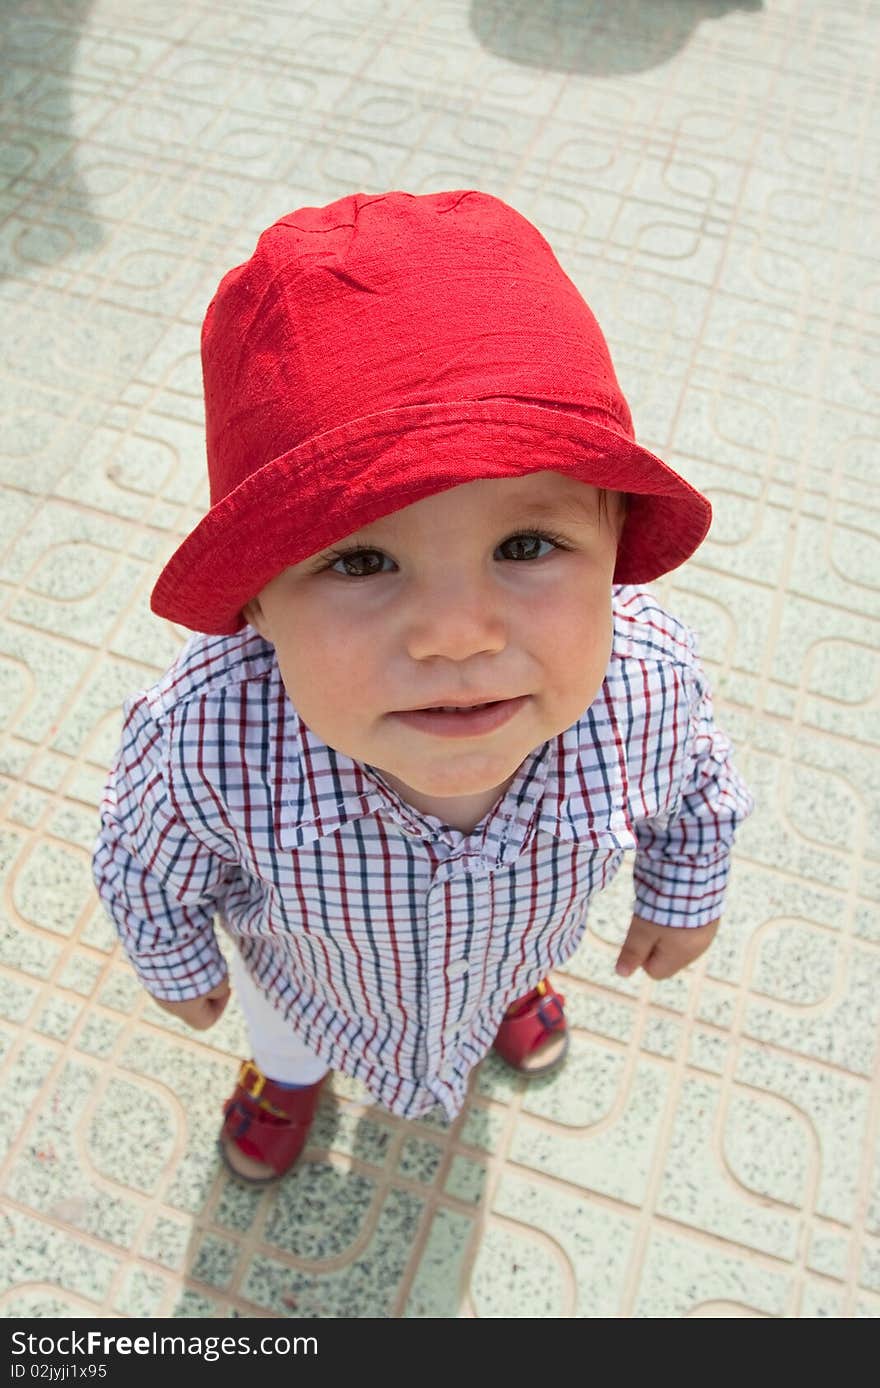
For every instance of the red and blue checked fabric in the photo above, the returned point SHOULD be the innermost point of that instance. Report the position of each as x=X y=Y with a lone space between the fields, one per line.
x=393 y=942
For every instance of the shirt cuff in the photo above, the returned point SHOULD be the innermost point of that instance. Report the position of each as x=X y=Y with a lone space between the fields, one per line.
x=678 y=893
x=189 y=970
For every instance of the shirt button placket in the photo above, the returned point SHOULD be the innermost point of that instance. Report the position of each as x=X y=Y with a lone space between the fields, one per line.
x=441 y=919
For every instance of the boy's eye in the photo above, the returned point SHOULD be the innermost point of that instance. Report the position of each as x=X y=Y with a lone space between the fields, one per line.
x=354 y=557
x=527 y=542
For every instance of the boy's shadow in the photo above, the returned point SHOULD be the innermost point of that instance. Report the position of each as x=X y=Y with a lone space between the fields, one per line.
x=601 y=38
x=342 y=1232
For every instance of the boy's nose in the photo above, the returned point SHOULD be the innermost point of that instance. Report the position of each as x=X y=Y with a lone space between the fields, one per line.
x=456 y=625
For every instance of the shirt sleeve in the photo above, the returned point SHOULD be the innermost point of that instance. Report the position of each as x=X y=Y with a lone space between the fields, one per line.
x=682 y=862
x=159 y=883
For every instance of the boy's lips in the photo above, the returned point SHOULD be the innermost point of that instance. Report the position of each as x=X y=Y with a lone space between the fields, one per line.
x=458 y=701
x=466 y=721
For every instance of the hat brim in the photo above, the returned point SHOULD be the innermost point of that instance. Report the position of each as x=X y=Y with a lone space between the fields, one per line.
x=341 y=480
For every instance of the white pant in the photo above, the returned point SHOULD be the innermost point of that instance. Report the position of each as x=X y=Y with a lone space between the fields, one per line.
x=275 y=1046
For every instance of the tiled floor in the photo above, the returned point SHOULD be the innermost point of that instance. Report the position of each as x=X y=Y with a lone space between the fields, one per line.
x=707 y=173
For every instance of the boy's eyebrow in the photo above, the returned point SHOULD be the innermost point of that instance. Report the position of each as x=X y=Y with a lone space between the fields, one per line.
x=576 y=507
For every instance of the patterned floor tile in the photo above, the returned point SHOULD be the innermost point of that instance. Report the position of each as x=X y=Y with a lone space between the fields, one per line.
x=712 y=1147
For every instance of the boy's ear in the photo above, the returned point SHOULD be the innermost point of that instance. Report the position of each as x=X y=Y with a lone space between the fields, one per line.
x=622 y=510
x=253 y=613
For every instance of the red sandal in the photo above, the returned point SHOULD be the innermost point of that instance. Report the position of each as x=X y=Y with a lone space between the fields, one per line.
x=527 y=1024
x=266 y=1122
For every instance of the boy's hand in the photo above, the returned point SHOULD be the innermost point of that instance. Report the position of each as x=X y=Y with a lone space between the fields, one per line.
x=662 y=950
x=202 y=1012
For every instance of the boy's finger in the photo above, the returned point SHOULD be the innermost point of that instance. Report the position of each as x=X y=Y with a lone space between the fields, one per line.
x=661 y=965
x=196 y=1021
x=629 y=959
x=640 y=940
x=218 y=1005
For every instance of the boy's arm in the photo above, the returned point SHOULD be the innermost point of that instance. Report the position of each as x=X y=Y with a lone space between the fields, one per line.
x=158 y=882
x=682 y=861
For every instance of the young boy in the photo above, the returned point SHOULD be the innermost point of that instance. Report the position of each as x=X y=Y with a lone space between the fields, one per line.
x=428 y=706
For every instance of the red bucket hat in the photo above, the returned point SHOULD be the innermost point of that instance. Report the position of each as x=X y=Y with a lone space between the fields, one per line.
x=384 y=348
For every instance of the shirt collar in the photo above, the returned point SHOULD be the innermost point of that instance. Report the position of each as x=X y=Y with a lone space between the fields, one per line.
x=574 y=787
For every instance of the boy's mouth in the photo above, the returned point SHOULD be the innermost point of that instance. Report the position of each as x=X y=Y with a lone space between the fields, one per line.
x=453 y=706
x=463 y=720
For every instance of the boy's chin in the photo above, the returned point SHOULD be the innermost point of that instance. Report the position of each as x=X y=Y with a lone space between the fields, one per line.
x=448 y=783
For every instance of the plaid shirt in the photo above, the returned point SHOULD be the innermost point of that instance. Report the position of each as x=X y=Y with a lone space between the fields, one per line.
x=393 y=942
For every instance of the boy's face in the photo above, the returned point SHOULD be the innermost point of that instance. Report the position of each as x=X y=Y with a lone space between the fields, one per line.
x=443 y=602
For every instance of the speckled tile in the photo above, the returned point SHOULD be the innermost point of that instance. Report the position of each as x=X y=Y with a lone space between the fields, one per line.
x=141 y=1294
x=215 y=1260
x=28 y=807
x=132 y=1135
x=24 y=1077
x=517 y=1275
x=439 y=1283
x=482 y=1127
x=354 y=1135
x=99 y=1034
x=765 y=1153
x=419 y=1160
x=869 y=1270
x=835 y=1108
x=707 y=1051
x=818 y=1300
x=17 y=997
x=591 y=1243
x=193 y=1305
x=466 y=1180
x=319 y=1211
x=796 y=963
x=57 y=1017
x=31 y=953
x=841 y=1027
x=33 y=1251
x=36 y=1305
x=617 y=1157
x=496 y=1080
x=599 y=1015
x=686 y=1278
x=872 y=1219
x=369 y=1283
x=712 y=1147
x=121 y=991
x=662 y=1036
x=80 y=973
x=716 y=1006
x=238 y=1204
x=196 y=1084
x=829 y=1253
x=51 y=1177
x=98 y=932
x=167 y=1241
x=50 y=886
x=584 y=1090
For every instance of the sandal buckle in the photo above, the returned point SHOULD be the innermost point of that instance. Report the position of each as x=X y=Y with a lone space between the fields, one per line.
x=244 y=1120
x=248 y=1067
x=551 y=1013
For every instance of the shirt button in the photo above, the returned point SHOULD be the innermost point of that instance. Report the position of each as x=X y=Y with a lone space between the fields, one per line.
x=451 y=1035
x=457 y=968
